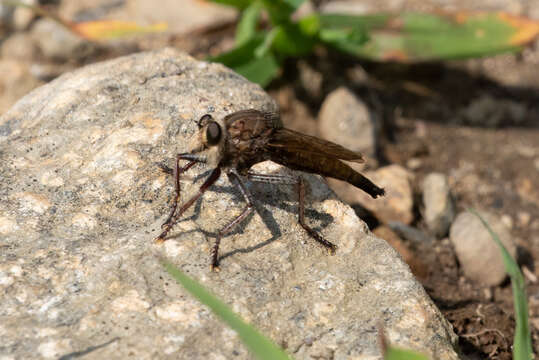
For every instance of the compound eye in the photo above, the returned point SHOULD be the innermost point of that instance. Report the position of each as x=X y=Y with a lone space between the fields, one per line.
x=213 y=133
x=204 y=120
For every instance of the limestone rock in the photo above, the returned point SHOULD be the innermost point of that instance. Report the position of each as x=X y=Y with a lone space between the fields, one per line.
x=478 y=254
x=83 y=198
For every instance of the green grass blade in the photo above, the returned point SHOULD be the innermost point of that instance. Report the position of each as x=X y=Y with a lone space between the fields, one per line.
x=246 y=29
x=393 y=353
x=425 y=37
x=522 y=345
x=243 y=60
x=258 y=344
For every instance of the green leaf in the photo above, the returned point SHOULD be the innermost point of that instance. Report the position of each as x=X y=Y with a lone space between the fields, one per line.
x=265 y=47
x=244 y=61
x=246 y=29
x=522 y=345
x=291 y=40
x=259 y=345
x=240 y=4
x=260 y=70
x=281 y=10
x=240 y=54
x=339 y=21
x=425 y=37
x=295 y=4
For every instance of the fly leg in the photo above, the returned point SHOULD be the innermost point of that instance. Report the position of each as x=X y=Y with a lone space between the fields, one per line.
x=297 y=181
x=175 y=215
x=232 y=175
x=176 y=173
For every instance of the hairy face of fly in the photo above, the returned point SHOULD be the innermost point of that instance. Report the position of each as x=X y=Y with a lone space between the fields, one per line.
x=208 y=142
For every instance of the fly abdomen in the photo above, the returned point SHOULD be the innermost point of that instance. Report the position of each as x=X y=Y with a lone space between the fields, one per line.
x=325 y=166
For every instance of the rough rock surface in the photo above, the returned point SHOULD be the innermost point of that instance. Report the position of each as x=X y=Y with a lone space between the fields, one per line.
x=478 y=254
x=83 y=198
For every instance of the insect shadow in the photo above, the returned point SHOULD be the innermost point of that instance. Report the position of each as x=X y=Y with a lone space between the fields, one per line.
x=264 y=195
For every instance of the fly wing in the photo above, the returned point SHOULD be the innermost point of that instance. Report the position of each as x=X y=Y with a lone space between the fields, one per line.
x=310 y=154
x=293 y=141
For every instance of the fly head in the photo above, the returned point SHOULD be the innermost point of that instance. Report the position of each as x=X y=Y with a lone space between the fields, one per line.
x=209 y=141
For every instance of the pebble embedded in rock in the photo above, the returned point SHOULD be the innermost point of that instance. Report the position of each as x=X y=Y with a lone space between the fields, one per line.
x=439 y=210
x=478 y=254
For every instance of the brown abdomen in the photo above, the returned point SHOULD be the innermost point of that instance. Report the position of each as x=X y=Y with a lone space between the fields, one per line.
x=330 y=167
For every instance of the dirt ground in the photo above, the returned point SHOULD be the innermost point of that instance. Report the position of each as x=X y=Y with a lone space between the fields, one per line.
x=456 y=118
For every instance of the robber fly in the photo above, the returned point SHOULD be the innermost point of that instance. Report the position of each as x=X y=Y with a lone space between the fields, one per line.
x=244 y=138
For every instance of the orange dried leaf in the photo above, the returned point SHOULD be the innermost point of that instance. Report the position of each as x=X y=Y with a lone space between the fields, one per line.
x=526 y=29
x=112 y=29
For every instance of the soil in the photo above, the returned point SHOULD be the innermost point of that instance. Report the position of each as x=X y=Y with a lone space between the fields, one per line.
x=491 y=157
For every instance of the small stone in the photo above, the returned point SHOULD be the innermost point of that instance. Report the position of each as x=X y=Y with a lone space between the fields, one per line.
x=478 y=254
x=19 y=46
x=414 y=163
x=311 y=79
x=23 y=17
x=523 y=218
x=507 y=220
x=15 y=82
x=57 y=43
x=397 y=204
x=439 y=209
x=346 y=120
